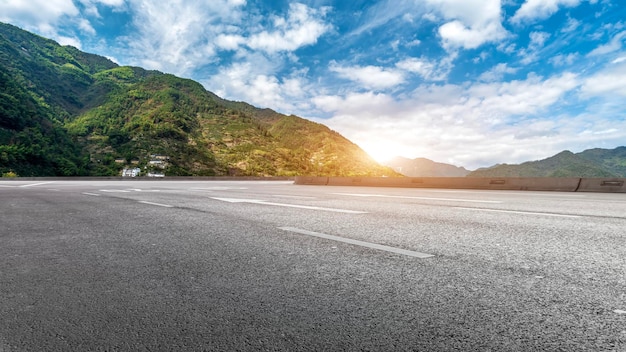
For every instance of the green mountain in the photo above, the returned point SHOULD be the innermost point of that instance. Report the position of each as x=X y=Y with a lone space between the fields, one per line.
x=66 y=112
x=589 y=163
x=422 y=167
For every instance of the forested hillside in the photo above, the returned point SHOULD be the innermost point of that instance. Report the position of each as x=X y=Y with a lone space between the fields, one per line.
x=589 y=163
x=65 y=112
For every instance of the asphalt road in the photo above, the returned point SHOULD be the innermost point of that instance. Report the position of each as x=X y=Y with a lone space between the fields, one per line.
x=243 y=265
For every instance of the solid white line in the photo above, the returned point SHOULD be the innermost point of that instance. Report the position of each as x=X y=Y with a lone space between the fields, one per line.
x=420 y=198
x=91 y=194
x=359 y=243
x=157 y=204
x=520 y=212
x=36 y=184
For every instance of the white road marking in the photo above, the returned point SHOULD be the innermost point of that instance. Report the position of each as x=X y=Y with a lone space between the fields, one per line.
x=36 y=184
x=91 y=194
x=217 y=188
x=520 y=212
x=115 y=190
x=359 y=243
x=262 y=202
x=518 y=193
x=157 y=204
x=290 y=196
x=420 y=198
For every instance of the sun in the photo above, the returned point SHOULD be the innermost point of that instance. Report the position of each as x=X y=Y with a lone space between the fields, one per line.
x=382 y=152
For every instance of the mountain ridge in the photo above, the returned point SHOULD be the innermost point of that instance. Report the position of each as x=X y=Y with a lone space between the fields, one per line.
x=423 y=167
x=66 y=112
x=594 y=162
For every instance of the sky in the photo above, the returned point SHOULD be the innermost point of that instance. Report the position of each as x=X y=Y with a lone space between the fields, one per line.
x=467 y=82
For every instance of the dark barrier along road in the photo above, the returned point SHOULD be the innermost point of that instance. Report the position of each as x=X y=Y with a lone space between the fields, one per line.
x=255 y=265
x=561 y=184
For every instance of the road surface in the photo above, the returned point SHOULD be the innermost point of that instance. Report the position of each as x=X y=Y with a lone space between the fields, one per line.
x=268 y=265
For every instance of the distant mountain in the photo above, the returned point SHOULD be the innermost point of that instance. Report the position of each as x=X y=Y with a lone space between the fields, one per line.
x=66 y=112
x=422 y=167
x=589 y=163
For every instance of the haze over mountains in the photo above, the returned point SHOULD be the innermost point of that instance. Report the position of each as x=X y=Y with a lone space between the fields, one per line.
x=66 y=112
x=422 y=167
x=589 y=163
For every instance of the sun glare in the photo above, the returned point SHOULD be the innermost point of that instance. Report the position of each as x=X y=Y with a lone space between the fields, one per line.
x=382 y=152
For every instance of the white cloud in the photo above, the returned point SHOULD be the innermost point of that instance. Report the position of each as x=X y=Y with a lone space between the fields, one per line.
x=229 y=41
x=75 y=42
x=613 y=45
x=383 y=12
x=49 y=18
x=564 y=60
x=303 y=26
x=497 y=73
x=533 y=10
x=471 y=22
x=413 y=43
x=257 y=85
x=470 y=125
x=421 y=66
x=609 y=82
x=537 y=42
x=186 y=34
x=37 y=13
x=572 y=25
x=177 y=36
x=369 y=76
x=429 y=70
x=91 y=6
x=538 y=39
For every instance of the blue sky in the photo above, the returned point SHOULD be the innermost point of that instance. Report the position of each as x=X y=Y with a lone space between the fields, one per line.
x=467 y=82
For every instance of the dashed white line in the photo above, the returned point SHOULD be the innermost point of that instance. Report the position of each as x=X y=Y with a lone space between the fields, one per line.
x=35 y=184
x=262 y=202
x=91 y=194
x=359 y=243
x=290 y=196
x=420 y=198
x=519 y=212
x=156 y=204
x=217 y=188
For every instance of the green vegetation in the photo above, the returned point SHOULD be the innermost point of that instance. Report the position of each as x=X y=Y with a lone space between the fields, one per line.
x=590 y=163
x=65 y=112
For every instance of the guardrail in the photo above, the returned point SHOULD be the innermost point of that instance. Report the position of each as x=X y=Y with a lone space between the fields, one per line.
x=564 y=184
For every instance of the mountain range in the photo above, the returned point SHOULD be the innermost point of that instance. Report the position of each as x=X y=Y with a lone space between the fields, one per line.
x=589 y=163
x=64 y=112
x=422 y=167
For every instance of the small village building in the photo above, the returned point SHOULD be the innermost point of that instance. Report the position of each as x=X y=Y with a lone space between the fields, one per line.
x=127 y=172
